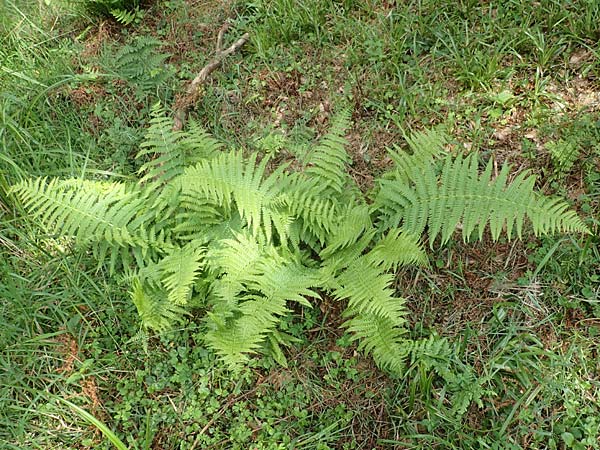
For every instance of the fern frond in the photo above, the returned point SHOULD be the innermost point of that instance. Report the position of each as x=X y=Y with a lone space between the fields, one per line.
x=142 y=65
x=350 y=227
x=381 y=338
x=124 y=16
x=237 y=257
x=461 y=196
x=318 y=214
x=155 y=311
x=277 y=277
x=198 y=144
x=397 y=248
x=254 y=196
x=425 y=146
x=213 y=179
x=86 y=210
x=460 y=380
x=161 y=143
x=169 y=151
x=334 y=263
x=564 y=155
x=137 y=61
x=193 y=221
x=329 y=159
x=259 y=315
x=273 y=280
x=377 y=321
x=368 y=290
x=432 y=352
x=227 y=178
x=180 y=269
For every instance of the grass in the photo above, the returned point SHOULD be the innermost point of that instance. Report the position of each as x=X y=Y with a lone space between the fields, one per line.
x=515 y=80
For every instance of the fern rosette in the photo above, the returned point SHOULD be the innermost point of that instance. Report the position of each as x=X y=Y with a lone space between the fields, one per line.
x=218 y=231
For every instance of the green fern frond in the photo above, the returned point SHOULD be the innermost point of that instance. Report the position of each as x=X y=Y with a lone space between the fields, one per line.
x=334 y=263
x=397 y=248
x=377 y=321
x=214 y=179
x=433 y=352
x=381 y=338
x=254 y=195
x=329 y=159
x=180 y=269
x=136 y=62
x=237 y=257
x=198 y=144
x=155 y=311
x=193 y=221
x=244 y=335
x=227 y=178
x=425 y=146
x=86 y=210
x=169 y=151
x=161 y=143
x=368 y=290
x=233 y=261
x=436 y=354
x=142 y=65
x=273 y=280
x=278 y=277
x=461 y=197
x=124 y=16
x=350 y=227
x=318 y=215
x=564 y=154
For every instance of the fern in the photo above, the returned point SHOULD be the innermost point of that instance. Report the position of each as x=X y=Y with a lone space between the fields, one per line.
x=377 y=314
x=564 y=154
x=460 y=197
x=329 y=159
x=316 y=215
x=217 y=229
x=227 y=179
x=460 y=380
x=168 y=159
x=124 y=16
x=87 y=211
x=424 y=146
x=155 y=311
x=180 y=270
x=263 y=283
x=172 y=151
x=381 y=338
x=142 y=65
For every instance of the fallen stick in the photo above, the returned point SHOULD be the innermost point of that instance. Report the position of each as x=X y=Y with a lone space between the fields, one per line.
x=183 y=104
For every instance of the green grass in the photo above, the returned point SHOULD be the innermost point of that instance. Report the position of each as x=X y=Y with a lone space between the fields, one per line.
x=515 y=80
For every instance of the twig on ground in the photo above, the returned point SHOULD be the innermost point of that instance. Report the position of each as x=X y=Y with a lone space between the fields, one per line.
x=183 y=104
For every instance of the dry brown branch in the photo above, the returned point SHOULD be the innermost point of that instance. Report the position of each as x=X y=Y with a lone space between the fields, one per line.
x=183 y=104
x=221 y=36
